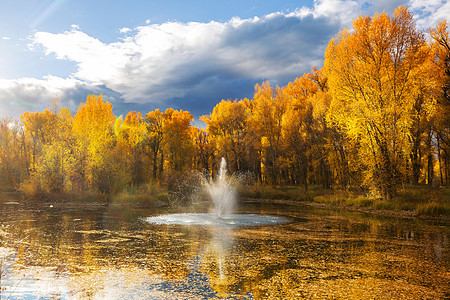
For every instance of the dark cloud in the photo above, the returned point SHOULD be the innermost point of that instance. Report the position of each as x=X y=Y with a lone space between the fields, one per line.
x=189 y=66
x=175 y=62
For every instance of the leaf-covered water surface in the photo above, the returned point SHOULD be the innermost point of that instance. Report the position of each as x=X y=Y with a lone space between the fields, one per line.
x=76 y=253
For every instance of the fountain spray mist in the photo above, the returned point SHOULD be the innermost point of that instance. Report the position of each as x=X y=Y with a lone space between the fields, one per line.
x=222 y=192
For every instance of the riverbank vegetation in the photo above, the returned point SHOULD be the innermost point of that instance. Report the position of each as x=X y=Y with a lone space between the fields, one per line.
x=420 y=200
x=375 y=119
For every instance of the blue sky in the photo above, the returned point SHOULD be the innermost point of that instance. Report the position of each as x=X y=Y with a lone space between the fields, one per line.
x=188 y=55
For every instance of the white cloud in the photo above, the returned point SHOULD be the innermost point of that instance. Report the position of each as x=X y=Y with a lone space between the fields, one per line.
x=31 y=94
x=6 y=38
x=342 y=11
x=170 y=60
x=97 y=62
x=157 y=63
x=429 y=12
x=125 y=30
x=148 y=21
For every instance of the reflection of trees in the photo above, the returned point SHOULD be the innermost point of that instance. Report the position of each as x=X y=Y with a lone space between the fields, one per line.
x=234 y=267
x=76 y=245
x=330 y=255
x=217 y=264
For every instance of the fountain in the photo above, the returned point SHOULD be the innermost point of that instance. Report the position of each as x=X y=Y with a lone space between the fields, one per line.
x=222 y=192
x=223 y=195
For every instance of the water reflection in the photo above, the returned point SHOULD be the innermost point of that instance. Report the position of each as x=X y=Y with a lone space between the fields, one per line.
x=220 y=247
x=440 y=246
x=100 y=252
x=217 y=263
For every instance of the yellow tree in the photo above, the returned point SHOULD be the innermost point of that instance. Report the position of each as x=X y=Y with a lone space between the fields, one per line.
x=305 y=133
x=154 y=139
x=373 y=70
x=178 y=141
x=130 y=135
x=39 y=130
x=93 y=127
x=15 y=154
x=55 y=166
x=323 y=143
x=441 y=47
x=253 y=141
x=227 y=126
x=297 y=124
x=268 y=107
x=204 y=149
x=7 y=151
x=53 y=148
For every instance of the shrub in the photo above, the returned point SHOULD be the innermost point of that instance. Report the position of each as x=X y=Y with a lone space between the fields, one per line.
x=432 y=209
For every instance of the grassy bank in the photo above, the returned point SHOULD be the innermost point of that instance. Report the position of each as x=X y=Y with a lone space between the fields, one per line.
x=421 y=200
x=278 y=192
x=144 y=195
x=416 y=200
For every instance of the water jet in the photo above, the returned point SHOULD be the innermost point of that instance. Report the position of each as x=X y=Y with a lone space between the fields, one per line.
x=222 y=192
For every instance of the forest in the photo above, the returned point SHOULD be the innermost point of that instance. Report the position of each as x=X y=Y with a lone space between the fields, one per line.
x=375 y=116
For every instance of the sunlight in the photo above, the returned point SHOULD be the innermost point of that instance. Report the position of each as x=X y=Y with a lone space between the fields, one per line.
x=328 y=181
x=47 y=11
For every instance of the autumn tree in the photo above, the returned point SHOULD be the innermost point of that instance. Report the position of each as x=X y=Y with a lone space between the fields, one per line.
x=204 y=150
x=268 y=106
x=5 y=140
x=54 y=169
x=441 y=47
x=373 y=71
x=226 y=126
x=93 y=128
x=39 y=130
x=154 y=139
x=178 y=139
x=297 y=128
x=13 y=167
x=48 y=141
x=130 y=135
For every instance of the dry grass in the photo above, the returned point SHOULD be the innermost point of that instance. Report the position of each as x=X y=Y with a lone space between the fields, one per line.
x=276 y=192
x=145 y=195
x=422 y=200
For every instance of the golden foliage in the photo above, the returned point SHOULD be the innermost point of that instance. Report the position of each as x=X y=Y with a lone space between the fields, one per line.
x=376 y=72
x=375 y=116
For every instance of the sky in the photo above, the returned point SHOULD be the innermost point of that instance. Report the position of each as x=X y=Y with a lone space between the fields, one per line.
x=143 y=55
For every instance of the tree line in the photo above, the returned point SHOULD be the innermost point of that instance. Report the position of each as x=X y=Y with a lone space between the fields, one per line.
x=376 y=116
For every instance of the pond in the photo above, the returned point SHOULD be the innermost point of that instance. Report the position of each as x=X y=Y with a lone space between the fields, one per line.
x=70 y=251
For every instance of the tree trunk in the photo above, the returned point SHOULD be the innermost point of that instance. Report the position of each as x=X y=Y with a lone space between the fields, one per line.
x=440 y=162
x=161 y=166
x=155 y=165
x=430 y=169
x=415 y=164
x=305 y=174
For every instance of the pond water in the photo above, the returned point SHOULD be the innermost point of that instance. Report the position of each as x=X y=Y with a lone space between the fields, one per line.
x=56 y=251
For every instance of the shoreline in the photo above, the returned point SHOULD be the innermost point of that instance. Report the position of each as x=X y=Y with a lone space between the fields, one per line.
x=91 y=203
x=398 y=213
